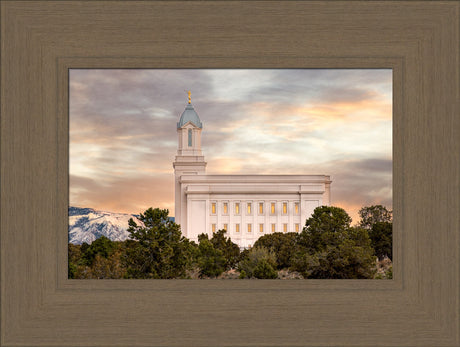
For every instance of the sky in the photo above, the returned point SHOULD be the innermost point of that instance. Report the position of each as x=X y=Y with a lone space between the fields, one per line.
x=123 y=136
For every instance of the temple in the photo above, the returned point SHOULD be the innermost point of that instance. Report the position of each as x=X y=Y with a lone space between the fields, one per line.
x=246 y=206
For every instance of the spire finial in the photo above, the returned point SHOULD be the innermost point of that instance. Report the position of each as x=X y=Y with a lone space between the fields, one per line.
x=189 y=96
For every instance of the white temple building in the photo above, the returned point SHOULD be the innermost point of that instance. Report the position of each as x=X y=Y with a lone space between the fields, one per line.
x=247 y=206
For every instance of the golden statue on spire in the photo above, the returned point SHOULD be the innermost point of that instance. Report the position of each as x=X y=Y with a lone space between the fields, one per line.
x=189 y=96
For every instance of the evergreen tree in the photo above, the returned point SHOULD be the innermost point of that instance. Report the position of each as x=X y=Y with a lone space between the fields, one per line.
x=74 y=256
x=282 y=244
x=211 y=260
x=101 y=246
x=229 y=250
x=328 y=247
x=258 y=262
x=381 y=235
x=378 y=221
x=156 y=248
x=374 y=214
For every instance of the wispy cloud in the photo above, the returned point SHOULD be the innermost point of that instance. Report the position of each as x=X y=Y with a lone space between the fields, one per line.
x=123 y=131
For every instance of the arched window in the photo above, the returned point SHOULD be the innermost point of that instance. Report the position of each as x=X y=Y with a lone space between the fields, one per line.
x=190 y=137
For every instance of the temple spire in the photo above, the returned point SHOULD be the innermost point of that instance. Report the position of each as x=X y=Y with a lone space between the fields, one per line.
x=189 y=96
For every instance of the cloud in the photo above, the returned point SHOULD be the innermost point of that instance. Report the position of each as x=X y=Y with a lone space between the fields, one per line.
x=123 y=130
x=125 y=195
x=359 y=183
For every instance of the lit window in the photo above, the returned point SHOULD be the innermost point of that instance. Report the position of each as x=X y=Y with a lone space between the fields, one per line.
x=190 y=137
x=237 y=208
x=237 y=228
x=225 y=227
x=249 y=208
x=213 y=208
x=261 y=208
x=213 y=227
x=225 y=208
x=284 y=207
x=261 y=228
x=297 y=228
x=296 y=207
x=285 y=227
x=272 y=211
x=249 y=228
x=273 y=228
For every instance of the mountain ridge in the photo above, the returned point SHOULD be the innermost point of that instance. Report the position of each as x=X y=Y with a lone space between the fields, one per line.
x=88 y=224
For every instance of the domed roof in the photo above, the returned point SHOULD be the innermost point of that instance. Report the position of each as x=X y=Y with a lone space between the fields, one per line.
x=189 y=115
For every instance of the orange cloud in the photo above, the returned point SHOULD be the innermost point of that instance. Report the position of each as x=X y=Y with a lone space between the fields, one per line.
x=127 y=195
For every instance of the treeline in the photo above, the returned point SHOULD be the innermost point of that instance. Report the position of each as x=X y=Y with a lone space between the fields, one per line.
x=327 y=247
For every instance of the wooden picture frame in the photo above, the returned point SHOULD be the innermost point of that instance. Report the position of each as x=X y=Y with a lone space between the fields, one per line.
x=41 y=40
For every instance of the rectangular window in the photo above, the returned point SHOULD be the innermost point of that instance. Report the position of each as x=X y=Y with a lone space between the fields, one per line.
x=213 y=227
x=297 y=227
x=261 y=208
x=237 y=208
x=272 y=208
x=249 y=207
x=285 y=227
x=261 y=228
x=190 y=137
x=273 y=228
x=225 y=208
x=296 y=208
x=284 y=207
x=249 y=228
x=213 y=208
x=225 y=227
x=237 y=228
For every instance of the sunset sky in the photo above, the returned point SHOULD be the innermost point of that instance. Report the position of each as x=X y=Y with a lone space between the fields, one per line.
x=123 y=136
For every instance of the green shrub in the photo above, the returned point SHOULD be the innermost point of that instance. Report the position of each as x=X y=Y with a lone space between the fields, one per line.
x=230 y=250
x=157 y=249
x=328 y=247
x=259 y=258
x=282 y=244
x=389 y=273
x=264 y=269
x=211 y=261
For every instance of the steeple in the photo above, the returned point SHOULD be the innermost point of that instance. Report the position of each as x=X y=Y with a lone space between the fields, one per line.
x=189 y=115
x=189 y=131
x=189 y=159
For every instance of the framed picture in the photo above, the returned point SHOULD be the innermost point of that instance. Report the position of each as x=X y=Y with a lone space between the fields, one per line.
x=42 y=40
x=237 y=170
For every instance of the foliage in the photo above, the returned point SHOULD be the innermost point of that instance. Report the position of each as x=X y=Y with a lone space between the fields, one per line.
x=328 y=247
x=259 y=262
x=230 y=250
x=282 y=244
x=243 y=274
x=390 y=273
x=74 y=255
x=157 y=249
x=378 y=221
x=101 y=246
x=381 y=236
x=112 y=266
x=211 y=260
x=264 y=269
x=327 y=226
x=371 y=215
x=103 y=264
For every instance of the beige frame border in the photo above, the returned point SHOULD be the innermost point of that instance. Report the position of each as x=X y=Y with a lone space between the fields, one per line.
x=42 y=39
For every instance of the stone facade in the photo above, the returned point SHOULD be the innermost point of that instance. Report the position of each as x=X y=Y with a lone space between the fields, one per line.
x=247 y=206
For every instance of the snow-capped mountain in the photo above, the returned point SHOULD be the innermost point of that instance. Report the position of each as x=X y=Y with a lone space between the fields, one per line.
x=87 y=225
